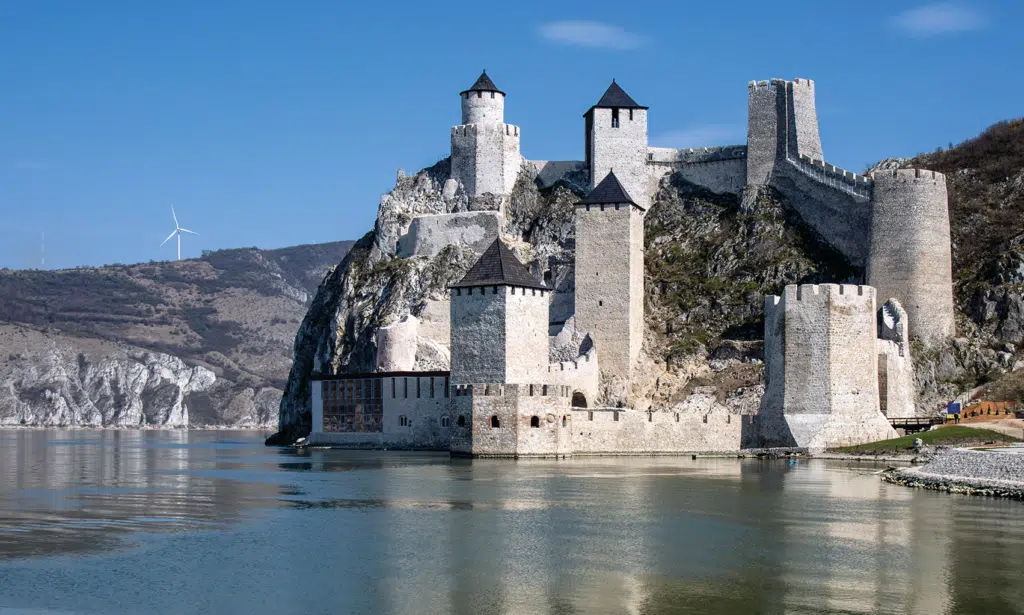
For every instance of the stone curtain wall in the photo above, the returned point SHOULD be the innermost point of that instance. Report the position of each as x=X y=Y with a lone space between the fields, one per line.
x=720 y=176
x=821 y=368
x=623 y=149
x=582 y=375
x=609 y=283
x=910 y=249
x=478 y=351
x=513 y=405
x=597 y=432
x=719 y=169
x=429 y=234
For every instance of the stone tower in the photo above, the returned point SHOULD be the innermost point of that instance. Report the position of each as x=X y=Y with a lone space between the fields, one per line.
x=616 y=138
x=782 y=121
x=821 y=368
x=610 y=275
x=499 y=322
x=485 y=150
x=910 y=256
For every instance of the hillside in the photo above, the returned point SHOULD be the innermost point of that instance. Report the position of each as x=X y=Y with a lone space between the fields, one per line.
x=710 y=260
x=205 y=341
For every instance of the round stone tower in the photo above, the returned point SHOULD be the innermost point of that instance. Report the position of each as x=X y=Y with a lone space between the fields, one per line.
x=910 y=249
x=483 y=103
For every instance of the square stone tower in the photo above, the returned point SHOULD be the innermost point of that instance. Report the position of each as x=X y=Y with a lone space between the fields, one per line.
x=616 y=138
x=499 y=322
x=610 y=276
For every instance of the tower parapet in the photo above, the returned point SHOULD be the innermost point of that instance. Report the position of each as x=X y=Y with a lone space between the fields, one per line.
x=910 y=255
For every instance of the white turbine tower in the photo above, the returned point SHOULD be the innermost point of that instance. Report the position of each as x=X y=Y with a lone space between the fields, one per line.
x=177 y=231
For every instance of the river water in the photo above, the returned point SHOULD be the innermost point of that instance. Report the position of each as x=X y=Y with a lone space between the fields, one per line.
x=214 y=522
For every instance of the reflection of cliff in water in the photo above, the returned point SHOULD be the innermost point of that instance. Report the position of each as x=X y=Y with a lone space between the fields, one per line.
x=83 y=490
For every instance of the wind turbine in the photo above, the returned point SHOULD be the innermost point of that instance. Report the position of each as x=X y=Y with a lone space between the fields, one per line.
x=177 y=231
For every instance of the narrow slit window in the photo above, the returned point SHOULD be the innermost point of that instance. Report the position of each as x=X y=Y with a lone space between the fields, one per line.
x=615 y=118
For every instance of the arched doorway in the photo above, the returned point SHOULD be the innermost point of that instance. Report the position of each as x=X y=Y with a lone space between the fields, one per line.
x=579 y=400
x=534 y=421
x=495 y=423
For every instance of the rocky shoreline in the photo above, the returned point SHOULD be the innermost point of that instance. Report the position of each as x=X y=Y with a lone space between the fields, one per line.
x=968 y=472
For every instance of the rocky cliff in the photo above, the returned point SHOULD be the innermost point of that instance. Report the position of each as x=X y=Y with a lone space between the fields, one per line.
x=202 y=342
x=710 y=260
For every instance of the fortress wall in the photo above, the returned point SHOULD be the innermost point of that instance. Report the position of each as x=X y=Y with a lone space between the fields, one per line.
x=526 y=334
x=804 y=139
x=485 y=157
x=840 y=218
x=513 y=405
x=429 y=234
x=720 y=176
x=478 y=351
x=623 y=149
x=550 y=171
x=610 y=431
x=910 y=254
x=483 y=108
x=605 y=301
x=582 y=375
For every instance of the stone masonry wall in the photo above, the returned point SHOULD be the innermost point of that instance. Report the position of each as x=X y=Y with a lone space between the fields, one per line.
x=910 y=255
x=580 y=375
x=803 y=137
x=485 y=157
x=483 y=108
x=608 y=431
x=609 y=283
x=513 y=405
x=478 y=335
x=526 y=334
x=396 y=345
x=429 y=234
x=765 y=107
x=623 y=149
x=825 y=392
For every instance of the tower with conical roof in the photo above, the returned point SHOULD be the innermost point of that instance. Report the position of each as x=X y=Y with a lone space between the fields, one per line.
x=485 y=155
x=610 y=277
x=616 y=138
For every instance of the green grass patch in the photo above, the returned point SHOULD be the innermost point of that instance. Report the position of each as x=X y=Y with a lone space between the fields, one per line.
x=954 y=435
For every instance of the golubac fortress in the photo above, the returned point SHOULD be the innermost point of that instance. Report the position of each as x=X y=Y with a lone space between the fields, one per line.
x=837 y=356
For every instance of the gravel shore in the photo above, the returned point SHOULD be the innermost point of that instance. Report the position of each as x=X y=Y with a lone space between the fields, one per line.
x=966 y=471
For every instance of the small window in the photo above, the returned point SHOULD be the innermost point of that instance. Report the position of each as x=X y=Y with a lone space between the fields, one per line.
x=495 y=291
x=535 y=421
x=590 y=415
x=495 y=423
x=479 y=94
x=565 y=421
x=615 y=118
x=461 y=422
x=705 y=418
x=600 y=303
x=405 y=388
x=403 y=421
x=631 y=115
x=418 y=381
x=616 y=415
x=677 y=417
x=444 y=421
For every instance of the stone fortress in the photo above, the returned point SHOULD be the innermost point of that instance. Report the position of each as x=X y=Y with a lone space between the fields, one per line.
x=837 y=356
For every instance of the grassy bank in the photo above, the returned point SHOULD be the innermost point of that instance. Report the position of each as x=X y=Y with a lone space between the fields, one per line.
x=954 y=435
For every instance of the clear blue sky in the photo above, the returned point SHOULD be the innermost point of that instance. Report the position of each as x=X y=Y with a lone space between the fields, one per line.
x=279 y=123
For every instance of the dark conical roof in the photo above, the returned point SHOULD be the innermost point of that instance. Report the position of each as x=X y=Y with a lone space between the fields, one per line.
x=615 y=97
x=609 y=192
x=483 y=84
x=497 y=266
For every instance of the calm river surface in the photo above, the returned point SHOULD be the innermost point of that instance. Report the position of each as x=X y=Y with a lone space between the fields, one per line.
x=214 y=522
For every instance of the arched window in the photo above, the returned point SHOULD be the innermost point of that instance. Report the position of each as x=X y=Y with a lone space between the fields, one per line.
x=461 y=422
x=534 y=421
x=403 y=421
x=579 y=400
x=495 y=423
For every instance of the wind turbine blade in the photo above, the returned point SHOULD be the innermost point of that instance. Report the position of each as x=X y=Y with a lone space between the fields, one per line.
x=173 y=233
x=185 y=230
x=175 y=217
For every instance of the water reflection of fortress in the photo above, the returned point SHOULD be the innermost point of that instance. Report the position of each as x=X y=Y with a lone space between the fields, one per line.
x=837 y=356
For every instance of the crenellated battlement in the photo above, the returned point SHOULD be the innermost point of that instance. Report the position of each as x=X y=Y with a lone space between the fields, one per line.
x=510 y=390
x=908 y=176
x=833 y=176
x=768 y=85
x=464 y=130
